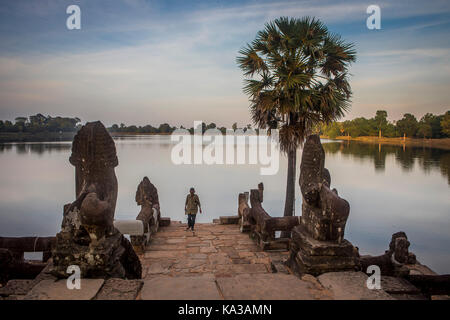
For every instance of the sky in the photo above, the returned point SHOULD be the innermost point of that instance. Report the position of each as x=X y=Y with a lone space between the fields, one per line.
x=149 y=62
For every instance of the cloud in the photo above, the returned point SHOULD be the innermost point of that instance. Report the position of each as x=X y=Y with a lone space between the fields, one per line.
x=140 y=62
x=417 y=52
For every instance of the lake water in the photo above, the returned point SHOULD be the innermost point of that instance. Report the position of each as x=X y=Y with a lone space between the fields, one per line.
x=389 y=188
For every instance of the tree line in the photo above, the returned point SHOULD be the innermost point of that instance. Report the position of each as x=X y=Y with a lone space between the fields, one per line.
x=167 y=129
x=429 y=126
x=40 y=123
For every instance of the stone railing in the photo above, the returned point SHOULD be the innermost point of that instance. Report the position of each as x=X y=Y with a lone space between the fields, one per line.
x=12 y=263
x=261 y=225
x=318 y=243
x=148 y=220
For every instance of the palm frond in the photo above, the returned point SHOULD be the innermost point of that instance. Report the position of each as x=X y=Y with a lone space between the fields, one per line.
x=297 y=77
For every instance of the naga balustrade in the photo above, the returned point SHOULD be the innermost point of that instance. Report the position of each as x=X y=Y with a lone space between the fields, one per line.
x=260 y=224
x=12 y=263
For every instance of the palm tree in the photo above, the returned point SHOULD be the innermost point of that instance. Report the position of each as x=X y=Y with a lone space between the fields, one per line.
x=296 y=77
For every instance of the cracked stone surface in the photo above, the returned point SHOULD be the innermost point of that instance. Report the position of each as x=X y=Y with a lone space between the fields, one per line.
x=212 y=248
x=180 y=288
x=267 y=286
x=17 y=287
x=351 y=285
x=119 y=289
x=218 y=262
x=57 y=290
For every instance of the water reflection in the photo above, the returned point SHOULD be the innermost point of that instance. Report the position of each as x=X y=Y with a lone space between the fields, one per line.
x=428 y=159
x=390 y=188
x=38 y=148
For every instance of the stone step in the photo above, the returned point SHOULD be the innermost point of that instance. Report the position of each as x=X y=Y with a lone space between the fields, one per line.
x=266 y=287
x=119 y=289
x=164 y=222
x=351 y=285
x=394 y=285
x=229 y=220
x=180 y=288
x=57 y=290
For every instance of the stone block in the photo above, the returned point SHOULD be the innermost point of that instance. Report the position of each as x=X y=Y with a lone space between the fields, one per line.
x=57 y=290
x=164 y=222
x=394 y=285
x=266 y=286
x=119 y=289
x=229 y=220
x=313 y=247
x=351 y=286
x=180 y=288
x=308 y=255
x=17 y=287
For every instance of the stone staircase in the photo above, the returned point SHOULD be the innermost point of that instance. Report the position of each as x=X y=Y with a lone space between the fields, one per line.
x=215 y=262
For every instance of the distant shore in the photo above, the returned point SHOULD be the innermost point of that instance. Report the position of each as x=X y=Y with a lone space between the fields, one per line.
x=429 y=143
x=117 y=134
x=11 y=137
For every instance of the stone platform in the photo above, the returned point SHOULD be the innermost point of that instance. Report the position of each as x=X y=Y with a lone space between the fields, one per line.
x=216 y=262
x=315 y=257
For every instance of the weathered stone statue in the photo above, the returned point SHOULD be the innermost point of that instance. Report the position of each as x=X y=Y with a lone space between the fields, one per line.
x=396 y=261
x=324 y=213
x=399 y=249
x=318 y=243
x=244 y=212
x=147 y=193
x=147 y=198
x=88 y=237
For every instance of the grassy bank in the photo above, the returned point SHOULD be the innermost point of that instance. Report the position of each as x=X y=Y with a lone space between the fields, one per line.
x=429 y=143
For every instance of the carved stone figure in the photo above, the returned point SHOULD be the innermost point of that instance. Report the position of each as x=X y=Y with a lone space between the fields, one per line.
x=318 y=243
x=88 y=237
x=398 y=249
x=147 y=193
x=244 y=212
x=324 y=213
x=397 y=261
x=147 y=198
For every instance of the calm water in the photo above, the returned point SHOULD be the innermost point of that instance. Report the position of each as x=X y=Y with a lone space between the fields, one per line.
x=389 y=188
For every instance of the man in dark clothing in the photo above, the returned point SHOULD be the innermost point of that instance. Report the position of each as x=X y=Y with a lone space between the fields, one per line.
x=191 y=208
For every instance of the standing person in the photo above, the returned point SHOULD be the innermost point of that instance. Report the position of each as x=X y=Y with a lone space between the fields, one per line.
x=191 y=208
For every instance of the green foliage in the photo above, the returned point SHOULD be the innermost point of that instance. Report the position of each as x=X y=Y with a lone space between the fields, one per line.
x=147 y=129
x=426 y=125
x=212 y=125
x=429 y=126
x=380 y=121
x=445 y=124
x=297 y=77
x=408 y=125
x=39 y=123
x=424 y=130
x=331 y=130
x=164 y=128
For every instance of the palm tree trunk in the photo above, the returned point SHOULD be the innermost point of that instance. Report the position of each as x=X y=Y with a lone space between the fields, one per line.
x=290 y=189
